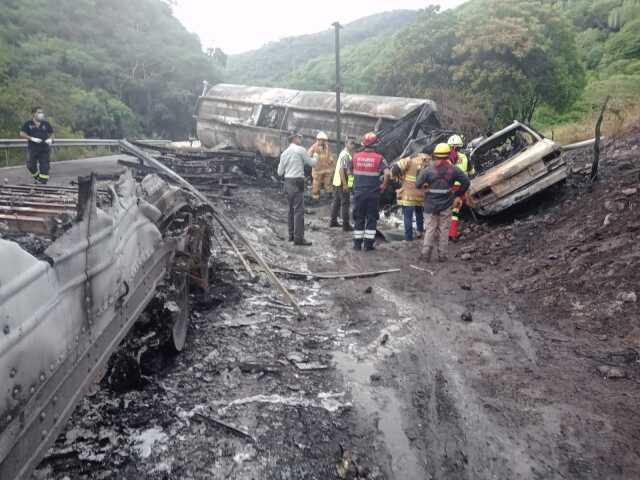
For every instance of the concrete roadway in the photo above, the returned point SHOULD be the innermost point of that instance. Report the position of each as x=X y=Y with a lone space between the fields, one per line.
x=62 y=173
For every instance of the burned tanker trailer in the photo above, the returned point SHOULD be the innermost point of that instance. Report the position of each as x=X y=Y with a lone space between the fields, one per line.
x=258 y=119
x=78 y=266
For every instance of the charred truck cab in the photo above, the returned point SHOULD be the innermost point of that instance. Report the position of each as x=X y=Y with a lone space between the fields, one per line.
x=513 y=165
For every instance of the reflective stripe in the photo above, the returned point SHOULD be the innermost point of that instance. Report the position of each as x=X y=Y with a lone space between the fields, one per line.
x=366 y=174
x=350 y=181
x=410 y=178
x=43 y=176
x=369 y=234
x=438 y=191
x=358 y=234
x=36 y=175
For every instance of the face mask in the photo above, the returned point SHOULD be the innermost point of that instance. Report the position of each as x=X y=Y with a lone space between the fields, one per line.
x=40 y=116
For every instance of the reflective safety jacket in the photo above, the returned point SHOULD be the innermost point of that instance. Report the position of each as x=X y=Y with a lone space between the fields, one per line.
x=343 y=163
x=409 y=195
x=461 y=161
x=324 y=158
x=368 y=166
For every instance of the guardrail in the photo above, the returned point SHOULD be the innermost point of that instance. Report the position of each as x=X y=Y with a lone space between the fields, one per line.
x=8 y=144
x=75 y=142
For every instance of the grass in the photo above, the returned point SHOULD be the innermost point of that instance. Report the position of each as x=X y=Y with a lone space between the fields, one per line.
x=616 y=122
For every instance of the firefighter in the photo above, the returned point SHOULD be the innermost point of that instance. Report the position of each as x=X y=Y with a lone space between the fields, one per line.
x=39 y=134
x=342 y=181
x=323 y=171
x=368 y=166
x=410 y=197
x=461 y=161
x=440 y=178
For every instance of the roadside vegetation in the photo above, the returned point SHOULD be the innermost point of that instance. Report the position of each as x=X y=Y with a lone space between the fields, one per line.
x=110 y=68
x=488 y=62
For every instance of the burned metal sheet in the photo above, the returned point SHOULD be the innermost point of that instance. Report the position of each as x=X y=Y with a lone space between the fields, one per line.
x=61 y=319
x=258 y=118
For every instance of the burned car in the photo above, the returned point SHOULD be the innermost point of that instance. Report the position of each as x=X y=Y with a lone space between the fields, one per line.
x=512 y=165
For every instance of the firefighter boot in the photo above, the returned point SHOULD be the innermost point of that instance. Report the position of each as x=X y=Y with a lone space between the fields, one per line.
x=357 y=244
x=369 y=245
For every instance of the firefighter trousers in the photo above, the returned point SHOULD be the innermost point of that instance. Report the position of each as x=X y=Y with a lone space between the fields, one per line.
x=365 y=218
x=323 y=179
x=38 y=163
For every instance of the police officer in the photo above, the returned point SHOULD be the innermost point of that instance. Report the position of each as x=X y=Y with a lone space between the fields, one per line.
x=39 y=134
x=368 y=167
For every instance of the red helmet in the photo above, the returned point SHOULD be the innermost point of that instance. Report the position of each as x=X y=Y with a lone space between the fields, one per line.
x=369 y=139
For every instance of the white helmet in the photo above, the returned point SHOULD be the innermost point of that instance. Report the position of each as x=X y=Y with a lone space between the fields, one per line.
x=455 y=141
x=322 y=136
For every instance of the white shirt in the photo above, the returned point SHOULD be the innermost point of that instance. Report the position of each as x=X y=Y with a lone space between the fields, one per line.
x=293 y=160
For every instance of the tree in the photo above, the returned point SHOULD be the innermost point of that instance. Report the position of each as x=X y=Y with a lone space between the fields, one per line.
x=518 y=54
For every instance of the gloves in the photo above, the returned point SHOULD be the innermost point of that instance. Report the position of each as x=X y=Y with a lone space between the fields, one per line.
x=49 y=141
x=35 y=140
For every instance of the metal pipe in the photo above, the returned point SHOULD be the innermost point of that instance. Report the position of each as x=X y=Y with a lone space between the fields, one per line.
x=337 y=27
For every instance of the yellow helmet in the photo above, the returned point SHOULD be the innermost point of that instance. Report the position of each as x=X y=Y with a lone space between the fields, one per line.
x=455 y=141
x=322 y=136
x=442 y=150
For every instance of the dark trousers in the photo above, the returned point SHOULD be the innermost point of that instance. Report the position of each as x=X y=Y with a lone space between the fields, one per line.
x=365 y=217
x=408 y=221
x=341 y=204
x=294 y=187
x=38 y=163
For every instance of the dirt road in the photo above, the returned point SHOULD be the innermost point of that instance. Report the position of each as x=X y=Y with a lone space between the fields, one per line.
x=383 y=380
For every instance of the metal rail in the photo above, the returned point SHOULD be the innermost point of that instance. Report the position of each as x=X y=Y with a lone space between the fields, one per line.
x=76 y=142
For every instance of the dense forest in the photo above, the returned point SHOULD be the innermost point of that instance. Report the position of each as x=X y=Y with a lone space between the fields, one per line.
x=116 y=68
x=108 y=68
x=489 y=61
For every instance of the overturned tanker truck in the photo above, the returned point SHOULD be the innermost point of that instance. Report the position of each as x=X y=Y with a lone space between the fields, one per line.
x=513 y=164
x=78 y=268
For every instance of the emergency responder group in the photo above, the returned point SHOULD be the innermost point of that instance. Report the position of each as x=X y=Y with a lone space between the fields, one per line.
x=432 y=189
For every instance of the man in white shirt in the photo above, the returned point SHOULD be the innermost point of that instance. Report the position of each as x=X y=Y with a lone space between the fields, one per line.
x=291 y=166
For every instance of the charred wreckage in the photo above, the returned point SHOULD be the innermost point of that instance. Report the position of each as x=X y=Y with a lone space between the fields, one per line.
x=81 y=265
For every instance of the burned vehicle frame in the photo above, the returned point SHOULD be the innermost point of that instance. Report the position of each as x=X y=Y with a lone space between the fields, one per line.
x=258 y=119
x=513 y=165
x=65 y=309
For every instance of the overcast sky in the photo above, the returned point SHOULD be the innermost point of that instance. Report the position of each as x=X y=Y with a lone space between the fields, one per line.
x=240 y=25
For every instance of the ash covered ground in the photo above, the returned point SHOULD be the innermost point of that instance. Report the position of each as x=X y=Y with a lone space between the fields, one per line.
x=384 y=379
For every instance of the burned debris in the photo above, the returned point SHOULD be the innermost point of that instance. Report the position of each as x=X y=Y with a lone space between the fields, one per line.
x=108 y=247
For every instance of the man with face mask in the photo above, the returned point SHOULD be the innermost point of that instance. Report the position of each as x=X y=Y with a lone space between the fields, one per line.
x=39 y=134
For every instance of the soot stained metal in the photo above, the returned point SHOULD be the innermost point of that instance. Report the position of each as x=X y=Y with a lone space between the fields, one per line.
x=63 y=314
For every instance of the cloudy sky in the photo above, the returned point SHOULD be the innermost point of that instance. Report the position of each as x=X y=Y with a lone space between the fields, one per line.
x=241 y=25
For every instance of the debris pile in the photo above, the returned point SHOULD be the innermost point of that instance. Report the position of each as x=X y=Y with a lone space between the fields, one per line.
x=216 y=173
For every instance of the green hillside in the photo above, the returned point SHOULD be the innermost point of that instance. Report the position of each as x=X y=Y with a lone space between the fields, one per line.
x=487 y=62
x=275 y=63
x=105 y=68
